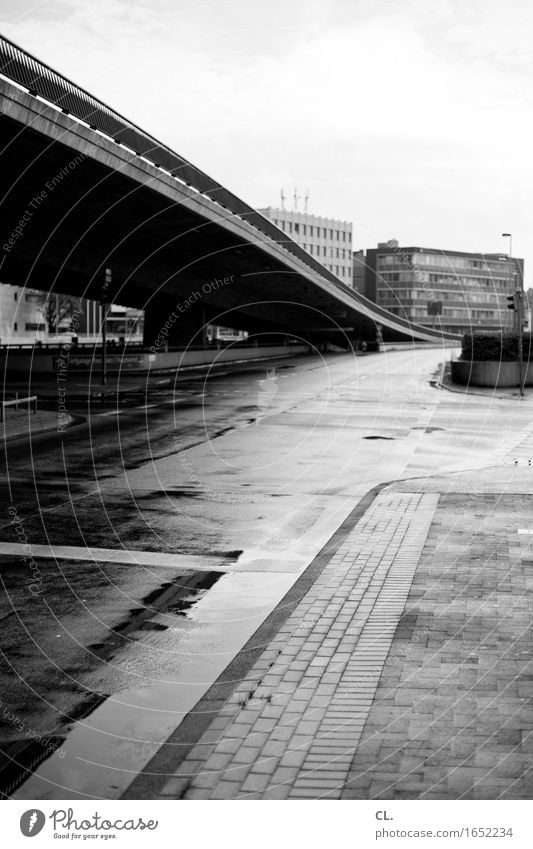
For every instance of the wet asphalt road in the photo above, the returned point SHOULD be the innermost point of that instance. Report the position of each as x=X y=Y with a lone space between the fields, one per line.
x=244 y=476
x=77 y=632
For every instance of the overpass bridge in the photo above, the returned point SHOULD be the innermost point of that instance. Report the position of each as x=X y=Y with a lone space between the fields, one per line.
x=83 y=189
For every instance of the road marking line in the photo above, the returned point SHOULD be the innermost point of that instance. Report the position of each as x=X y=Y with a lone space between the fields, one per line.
x=191 y=562
x=167 y=403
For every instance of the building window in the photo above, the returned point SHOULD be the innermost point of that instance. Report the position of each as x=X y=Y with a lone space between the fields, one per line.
x=15 y=327
x=15 y=296
x=304 y=228
x=32 y=326
x=296 y=228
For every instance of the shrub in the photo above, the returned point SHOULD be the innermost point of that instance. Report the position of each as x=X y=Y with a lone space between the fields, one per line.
x=501 y=347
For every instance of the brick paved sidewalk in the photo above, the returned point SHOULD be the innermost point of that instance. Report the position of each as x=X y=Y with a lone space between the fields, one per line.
x=406 y=670
x=291 y=728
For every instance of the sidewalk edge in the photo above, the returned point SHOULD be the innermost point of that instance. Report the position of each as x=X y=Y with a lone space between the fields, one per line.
x=34 y=434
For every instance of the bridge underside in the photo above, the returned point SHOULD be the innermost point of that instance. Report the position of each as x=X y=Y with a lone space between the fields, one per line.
x=77 y=215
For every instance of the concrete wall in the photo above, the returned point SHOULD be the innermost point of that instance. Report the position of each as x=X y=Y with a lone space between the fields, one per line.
x=78 y=361
x=494 y=374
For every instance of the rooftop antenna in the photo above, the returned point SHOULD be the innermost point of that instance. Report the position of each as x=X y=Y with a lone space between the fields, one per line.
x=296 y=199
x=306 y=200
x=282 y=200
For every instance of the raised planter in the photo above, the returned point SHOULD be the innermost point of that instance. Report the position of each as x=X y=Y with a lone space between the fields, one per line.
x=490 y=373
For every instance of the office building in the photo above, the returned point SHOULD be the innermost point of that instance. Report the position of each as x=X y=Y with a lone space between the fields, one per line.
x=457 y=291
x=359 y=272
x=326 y=239
x=21 y=316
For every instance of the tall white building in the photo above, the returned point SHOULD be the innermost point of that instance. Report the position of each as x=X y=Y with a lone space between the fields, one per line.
x=328 y=240
x=21 y=317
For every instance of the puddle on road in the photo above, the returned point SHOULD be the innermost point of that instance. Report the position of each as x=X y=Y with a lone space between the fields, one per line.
x=180 y=606
x=103 y=753
x=175 y=598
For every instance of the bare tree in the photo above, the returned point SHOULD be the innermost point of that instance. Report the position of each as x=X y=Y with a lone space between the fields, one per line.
x=55 y=307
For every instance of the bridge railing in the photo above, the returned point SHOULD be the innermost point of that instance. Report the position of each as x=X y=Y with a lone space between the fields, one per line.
x=39 y=79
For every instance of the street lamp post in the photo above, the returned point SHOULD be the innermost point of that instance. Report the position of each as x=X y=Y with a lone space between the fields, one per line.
x=510 y=255
x=104 y=300
x=519 y=314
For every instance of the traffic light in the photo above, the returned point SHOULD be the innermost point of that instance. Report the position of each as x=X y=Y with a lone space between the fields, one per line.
x=516 y=300
x=104 y=293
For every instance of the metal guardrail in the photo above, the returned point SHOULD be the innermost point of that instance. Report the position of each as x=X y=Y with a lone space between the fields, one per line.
x=41 y=80
x=30 y=399
x=45 y=347
x=136 y=348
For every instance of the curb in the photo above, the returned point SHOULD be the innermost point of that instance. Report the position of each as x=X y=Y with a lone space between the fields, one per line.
x=75 y=421
x=449 y=387
x=441 y=380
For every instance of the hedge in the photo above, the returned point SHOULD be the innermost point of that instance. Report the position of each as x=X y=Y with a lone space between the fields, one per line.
x=502 y=347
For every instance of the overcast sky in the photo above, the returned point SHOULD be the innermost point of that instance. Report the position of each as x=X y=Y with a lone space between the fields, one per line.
x=412 y=120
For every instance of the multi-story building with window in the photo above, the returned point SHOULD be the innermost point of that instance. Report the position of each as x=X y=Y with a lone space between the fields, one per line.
x=22 y=319
x=453 y=290
x=21 y=316
x=328 y=240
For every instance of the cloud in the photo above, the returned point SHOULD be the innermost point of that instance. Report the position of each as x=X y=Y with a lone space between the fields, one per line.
x=411 y=120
